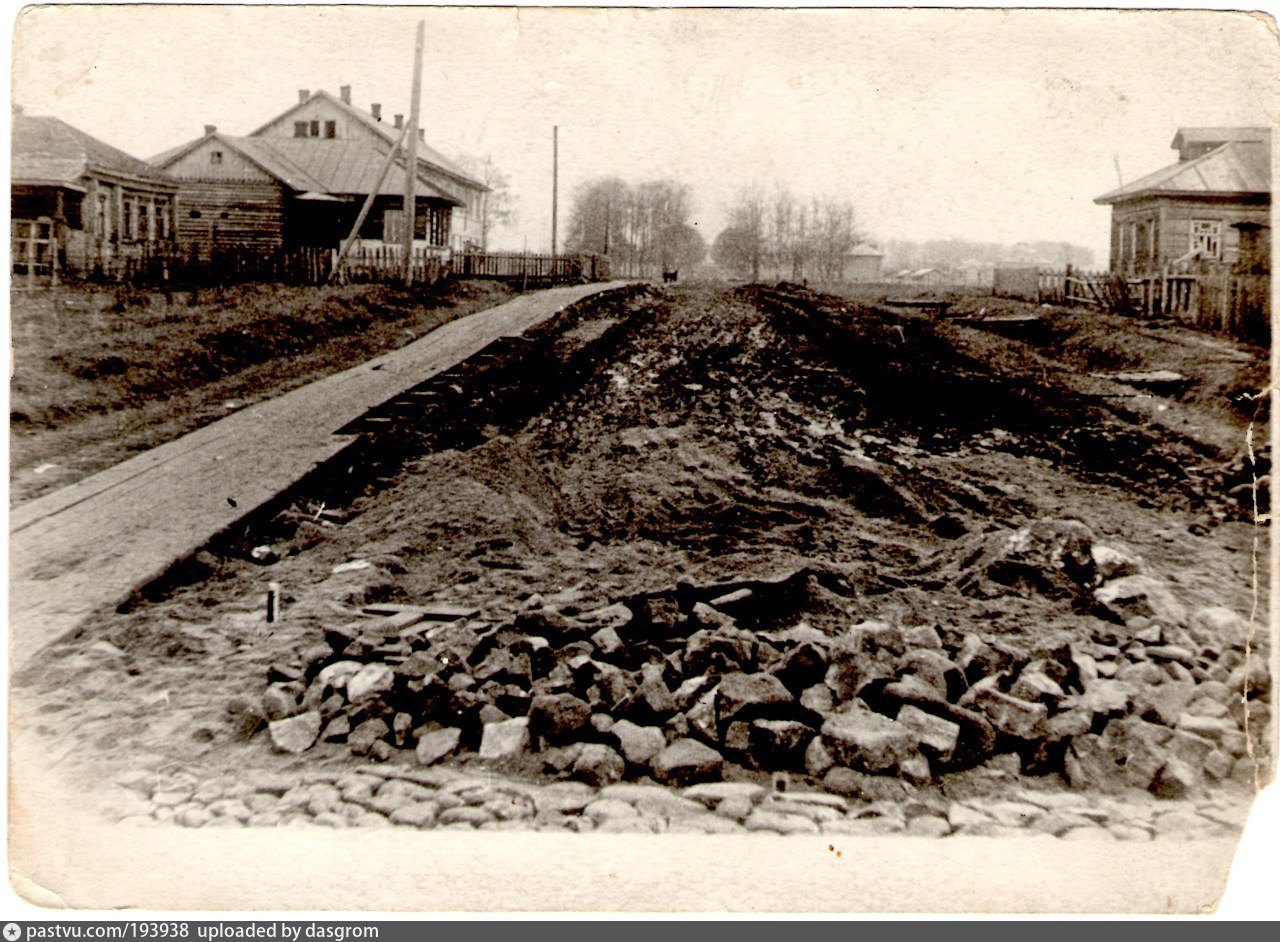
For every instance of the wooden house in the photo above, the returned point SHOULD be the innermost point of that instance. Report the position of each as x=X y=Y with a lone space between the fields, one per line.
x=862 y=263
x=1190 y=212
x=91 y=201
x=302 y=177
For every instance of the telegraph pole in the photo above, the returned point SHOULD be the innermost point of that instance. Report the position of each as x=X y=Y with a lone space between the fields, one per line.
x=411 y=160
x=555 y=183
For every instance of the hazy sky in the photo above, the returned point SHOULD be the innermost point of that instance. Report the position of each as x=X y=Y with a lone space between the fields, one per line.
x=997 y=126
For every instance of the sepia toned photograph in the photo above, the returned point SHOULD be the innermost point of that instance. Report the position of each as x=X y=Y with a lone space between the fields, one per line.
x=710 y=449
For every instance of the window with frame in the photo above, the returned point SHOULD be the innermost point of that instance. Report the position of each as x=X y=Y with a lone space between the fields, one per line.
x=315 y=128
x=331 y=129
x=299 y=129
x=215 y=157
x=1206 y=237
x=102 y=220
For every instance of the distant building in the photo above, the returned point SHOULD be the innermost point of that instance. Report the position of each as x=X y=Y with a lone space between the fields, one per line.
x=302 y=177
x=93 y=201
x=1191 y=211
x=862 y=263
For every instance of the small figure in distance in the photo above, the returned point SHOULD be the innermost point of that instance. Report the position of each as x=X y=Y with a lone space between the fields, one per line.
x=669 y=276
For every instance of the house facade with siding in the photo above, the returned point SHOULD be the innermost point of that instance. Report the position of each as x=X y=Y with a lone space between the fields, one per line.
x=94 y=202
x=301 y=179
x=1191 y=212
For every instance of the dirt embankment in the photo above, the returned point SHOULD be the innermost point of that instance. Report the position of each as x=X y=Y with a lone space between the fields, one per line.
x=963 y=489
x=100 y=376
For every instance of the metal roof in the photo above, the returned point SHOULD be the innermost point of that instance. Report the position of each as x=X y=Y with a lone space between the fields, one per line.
x=1235 y=168
x=318 y=166
x=49 y=151
x=427 y=154
x=346 y=166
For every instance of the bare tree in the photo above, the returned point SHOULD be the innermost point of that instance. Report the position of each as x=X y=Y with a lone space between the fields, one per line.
x=743 y=246
x=497 y=207
x=642 y=228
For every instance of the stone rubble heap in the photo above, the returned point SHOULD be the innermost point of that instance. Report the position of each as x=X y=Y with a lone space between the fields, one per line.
x=685 y=685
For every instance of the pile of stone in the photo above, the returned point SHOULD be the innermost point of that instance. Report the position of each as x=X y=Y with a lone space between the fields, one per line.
x=677 y=685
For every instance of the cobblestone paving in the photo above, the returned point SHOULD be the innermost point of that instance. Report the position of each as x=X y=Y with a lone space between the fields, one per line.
x=382 y=796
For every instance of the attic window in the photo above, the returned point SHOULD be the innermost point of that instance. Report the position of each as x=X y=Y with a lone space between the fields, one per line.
x=215 y=157
x=315 y=128
x=299 y=129
x=331 y=129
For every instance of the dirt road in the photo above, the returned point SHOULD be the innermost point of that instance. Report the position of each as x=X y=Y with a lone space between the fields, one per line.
x=90 y=544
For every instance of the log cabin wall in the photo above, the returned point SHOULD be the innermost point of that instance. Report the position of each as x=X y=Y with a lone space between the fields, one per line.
x=1147 y=234
x=231 y=214
x=227 y=200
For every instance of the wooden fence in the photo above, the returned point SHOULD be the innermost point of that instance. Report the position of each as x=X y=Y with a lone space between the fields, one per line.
x=513 y=266
x=1222 y=300
x=169 y=267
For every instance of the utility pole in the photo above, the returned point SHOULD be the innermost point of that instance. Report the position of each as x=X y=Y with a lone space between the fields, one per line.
x=411 y=160
x=555 y=183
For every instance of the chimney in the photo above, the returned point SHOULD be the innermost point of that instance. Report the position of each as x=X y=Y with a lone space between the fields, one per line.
x=376 y=110
x=399 y=121
x=210 y=129
x=303 y=94
x=344 y=92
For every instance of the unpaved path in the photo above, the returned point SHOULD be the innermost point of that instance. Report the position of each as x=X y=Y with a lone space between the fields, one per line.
x=92 y=543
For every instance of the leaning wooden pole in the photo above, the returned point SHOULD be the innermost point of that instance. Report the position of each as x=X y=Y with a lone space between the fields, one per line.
x=411 y=160
x=364 y=210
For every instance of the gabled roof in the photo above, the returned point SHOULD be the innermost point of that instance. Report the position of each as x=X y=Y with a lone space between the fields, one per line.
x=50 y=151
x=1234 y=169
x=347 y=166
x=316 y=166
x=256 y=151
x=427 y=154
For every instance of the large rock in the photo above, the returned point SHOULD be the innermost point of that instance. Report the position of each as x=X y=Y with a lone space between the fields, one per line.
x=937 y=736
x=295 y=734
x=802 y=667
x=367 y=735
x=1010 y=716
x=1053 y=558
x=869 y=651
x=867 y=741
x=598 y=765
x=746 y=697
x=436 y=745
x=504 y=740
x=1138 y=596
x=1218 y=627
x=720 y=651
x=779 y=744
x=638 y=744
x=686 y=762
x=652 y=700
x=370 y=681
x=977 y=738
x=936 y=670
x=558 y=718
x=280 y=701
x=1164 y=702
x=1113 y=563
